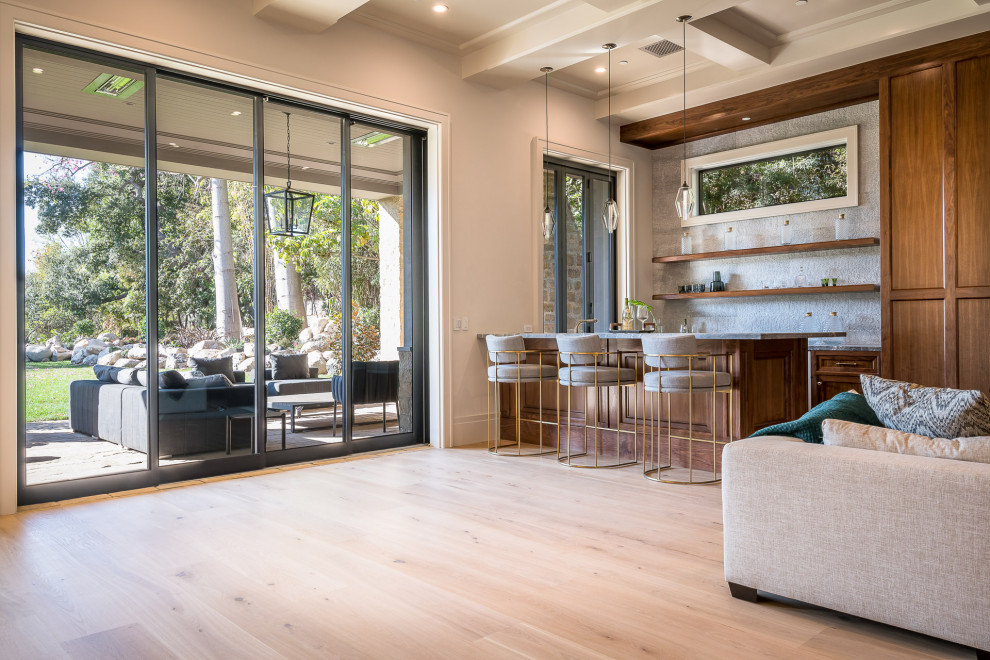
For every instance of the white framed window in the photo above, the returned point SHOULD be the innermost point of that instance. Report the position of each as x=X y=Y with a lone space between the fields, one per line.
x=814 y=172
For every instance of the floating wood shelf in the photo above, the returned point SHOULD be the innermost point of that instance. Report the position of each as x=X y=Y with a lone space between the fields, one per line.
x=771 y=249
x=795 y=291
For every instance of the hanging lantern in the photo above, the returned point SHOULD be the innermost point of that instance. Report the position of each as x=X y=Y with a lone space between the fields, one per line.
x=549 y=219
x=684 y=201
x=610 y=210
x=288 y=212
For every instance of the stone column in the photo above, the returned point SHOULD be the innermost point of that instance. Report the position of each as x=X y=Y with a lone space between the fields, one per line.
x=391 y=280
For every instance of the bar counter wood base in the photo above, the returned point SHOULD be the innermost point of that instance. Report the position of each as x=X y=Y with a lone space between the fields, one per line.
x=770 y=386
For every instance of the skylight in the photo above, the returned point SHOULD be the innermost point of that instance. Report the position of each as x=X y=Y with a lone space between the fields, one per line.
x=374 y=139
x=114 y=86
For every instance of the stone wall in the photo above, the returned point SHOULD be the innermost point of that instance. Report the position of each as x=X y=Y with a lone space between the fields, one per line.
x=859 y=311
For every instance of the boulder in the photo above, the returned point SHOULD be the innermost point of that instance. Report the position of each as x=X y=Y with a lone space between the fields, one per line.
x=237 y=358
x=319 y=324
x=126 y=363
x=305 y=335
x=37 y=353
x=247 y=333
x=311 y=346
x=110 y=358
x=176 y=361
x=61 y=355
x=82 y=342
x=206 y=353
x=249 y=349
x=139 y=352
x=55 y=340
x=246 y=364
x=174 y=350
x=78 y=355
x=227 y=352
x=206 y=344
x=90 y=360
x=315 y=359
x=109 y=337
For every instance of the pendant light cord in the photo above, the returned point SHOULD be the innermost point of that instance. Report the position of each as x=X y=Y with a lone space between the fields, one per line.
x=610 y=114
x=546 y=150
x=288 y=153
x=684 y=101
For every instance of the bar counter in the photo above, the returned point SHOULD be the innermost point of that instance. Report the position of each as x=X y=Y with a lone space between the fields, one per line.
x=770 y=385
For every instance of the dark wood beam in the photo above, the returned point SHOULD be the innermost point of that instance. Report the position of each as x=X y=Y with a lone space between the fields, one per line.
x=808 y=96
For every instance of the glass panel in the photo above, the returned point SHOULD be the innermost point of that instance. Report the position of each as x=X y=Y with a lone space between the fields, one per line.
x=205 y=273
x=303 y=279
x=381 y=290
x=84 y=296
x=574 y=236
x=798 y=177
x=598 y=275
x=550 y=257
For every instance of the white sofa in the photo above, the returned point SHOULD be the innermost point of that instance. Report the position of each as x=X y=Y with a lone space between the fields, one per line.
x=904 y=540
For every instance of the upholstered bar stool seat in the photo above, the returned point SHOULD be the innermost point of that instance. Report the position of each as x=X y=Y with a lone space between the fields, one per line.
x=509 y=356
x=584 y=365
x=680 y=369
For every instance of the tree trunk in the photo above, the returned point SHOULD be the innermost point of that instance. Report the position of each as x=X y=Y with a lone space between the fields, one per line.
x=288 y=288
x=228 y=310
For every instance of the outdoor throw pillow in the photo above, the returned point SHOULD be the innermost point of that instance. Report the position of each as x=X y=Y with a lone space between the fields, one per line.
x=878 y=438
x=211 y=366
x=105 y=373
x=171 y=380
x=847 y=406
x=127 y=377
x=938 y=412
x=214 y=380
x=290 y=367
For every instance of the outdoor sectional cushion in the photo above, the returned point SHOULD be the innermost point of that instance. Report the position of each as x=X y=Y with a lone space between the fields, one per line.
x=214 y=380
x=289 y=366
x=211 y=366
x=845 y=406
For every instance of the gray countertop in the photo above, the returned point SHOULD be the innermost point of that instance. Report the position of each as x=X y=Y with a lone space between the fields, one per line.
x=842 y=347
x=699 y=335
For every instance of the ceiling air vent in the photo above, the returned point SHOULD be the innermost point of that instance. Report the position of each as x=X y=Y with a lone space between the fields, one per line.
x=662 y=48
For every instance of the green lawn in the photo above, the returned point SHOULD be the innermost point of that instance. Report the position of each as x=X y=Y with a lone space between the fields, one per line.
x=47 y=391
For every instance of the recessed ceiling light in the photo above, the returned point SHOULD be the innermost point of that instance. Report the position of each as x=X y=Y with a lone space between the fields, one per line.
x=38 y=69
x=440 y=8
x=746 y=118
x=600 y=69
x=305 y=167
x=172 y=144
x=623 y=61
x=236 y=113
x=800 y=3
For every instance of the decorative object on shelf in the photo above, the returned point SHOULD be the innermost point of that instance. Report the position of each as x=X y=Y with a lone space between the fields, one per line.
x=801 y=279
x=288 y=211
x=644 y=314
x=684 y=326
x=717 y=283
x=835 y=281
x=627 y=316
x=824 y=281
x=685 y=243
x=842 y=228
x=610 y=212
x=684 y=202
x=808 y=324
x=730 y=240
x=833 y=324
x=549 y=219
x=785 y=233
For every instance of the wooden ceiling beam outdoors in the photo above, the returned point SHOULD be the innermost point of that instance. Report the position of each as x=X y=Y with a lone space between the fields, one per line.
x=826 y=91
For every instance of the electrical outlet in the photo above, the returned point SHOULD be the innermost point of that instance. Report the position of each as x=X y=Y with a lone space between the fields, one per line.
x=527 y=328
x=464 y=323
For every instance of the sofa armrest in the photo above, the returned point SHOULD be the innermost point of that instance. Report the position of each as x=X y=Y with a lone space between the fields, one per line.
x=314 y=372
x=888 y=537
x=240 y=376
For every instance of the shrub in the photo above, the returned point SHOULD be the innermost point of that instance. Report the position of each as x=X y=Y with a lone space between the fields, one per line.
x=283 y=327
x=83 y=328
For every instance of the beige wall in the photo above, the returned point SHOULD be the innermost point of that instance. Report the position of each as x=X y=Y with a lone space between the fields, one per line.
x=483 y=237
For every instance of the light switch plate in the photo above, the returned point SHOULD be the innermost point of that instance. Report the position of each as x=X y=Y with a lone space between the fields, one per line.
x=527 y=328
x=457 y=324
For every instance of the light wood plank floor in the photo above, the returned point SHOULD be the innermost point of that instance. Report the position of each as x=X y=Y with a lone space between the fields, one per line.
x=417 y=554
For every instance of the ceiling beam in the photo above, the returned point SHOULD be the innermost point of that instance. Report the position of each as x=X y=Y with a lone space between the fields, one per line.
x=306 y=15
x=716 y=41
x=826 y=91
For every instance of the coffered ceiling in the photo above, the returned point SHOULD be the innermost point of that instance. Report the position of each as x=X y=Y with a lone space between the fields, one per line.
x=733 y=46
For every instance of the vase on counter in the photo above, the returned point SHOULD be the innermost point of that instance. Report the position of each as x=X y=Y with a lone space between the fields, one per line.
x=685 y=243
x=842 y=228
x=833 y=324
x=627 y=316
x=785 y=233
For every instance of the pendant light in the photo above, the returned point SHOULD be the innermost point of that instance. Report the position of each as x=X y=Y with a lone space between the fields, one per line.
x=610 y=212
x=549 y=220
x=288 y=211
x=684 y=202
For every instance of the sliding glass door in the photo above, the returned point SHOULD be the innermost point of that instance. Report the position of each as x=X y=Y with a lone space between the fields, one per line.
x=174 y=325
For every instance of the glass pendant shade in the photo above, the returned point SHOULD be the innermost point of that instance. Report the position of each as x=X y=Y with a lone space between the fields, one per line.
x=549 y=222
x=684 y=202
x=288 y=212
x=610 y=215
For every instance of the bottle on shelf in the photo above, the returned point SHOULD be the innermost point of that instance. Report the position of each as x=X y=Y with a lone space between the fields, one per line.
x=627 y=316
x=842 y=228
x=807 y=324
x=785 y=233
x=685 y=243
x=730 y=239
x=684 y=326
x=717 y=283
x=833 y=324
x=801 y=279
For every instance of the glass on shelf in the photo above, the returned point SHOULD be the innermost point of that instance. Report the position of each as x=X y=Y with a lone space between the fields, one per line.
x=833 y=324
x=730 y=239
x=685 y=243
x=842 y=232
x=808 y=323
x=785 y=233
x=801 y=279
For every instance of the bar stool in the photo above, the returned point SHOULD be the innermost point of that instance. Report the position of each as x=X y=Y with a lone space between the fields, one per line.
x=508 y=366
x=680 y=369
x=588 y=368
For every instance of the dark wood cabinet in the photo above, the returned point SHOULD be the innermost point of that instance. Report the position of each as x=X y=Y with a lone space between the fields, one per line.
x=833 y=372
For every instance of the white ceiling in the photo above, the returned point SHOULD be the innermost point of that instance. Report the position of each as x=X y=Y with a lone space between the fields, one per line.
x=734 y=46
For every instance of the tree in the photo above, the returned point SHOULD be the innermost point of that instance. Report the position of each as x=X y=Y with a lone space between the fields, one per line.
x=224 y=282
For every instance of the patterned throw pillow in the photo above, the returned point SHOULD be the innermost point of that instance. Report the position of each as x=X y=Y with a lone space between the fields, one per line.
x=938 y=412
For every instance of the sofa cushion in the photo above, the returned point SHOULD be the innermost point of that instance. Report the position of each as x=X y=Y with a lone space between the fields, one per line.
x=938 y=412
x=216 y=380
x=847 y=406
x=171 y=380
x=290 y=366
x=211 y=366
x=298 y=386
x=105 y=373
x=128 y=377
x=878 y=438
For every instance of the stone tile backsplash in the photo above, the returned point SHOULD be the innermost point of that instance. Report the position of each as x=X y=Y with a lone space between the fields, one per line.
x=860 y=311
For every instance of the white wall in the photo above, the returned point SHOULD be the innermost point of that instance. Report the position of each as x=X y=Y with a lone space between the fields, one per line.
x=482 y=234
